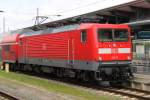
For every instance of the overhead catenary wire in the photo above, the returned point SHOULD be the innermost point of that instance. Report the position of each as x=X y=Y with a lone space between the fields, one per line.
x=76 y=8
x=63 y=11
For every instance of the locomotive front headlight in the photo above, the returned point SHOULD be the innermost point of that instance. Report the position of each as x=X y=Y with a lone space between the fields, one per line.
x=100 y=58
x=129 y=58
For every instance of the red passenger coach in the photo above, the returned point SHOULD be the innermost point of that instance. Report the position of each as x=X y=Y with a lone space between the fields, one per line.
x=85 y=51
x=10 y=48
x=9 y=45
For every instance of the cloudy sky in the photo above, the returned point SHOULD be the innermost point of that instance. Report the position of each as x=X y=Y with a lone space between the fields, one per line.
x=21 y=13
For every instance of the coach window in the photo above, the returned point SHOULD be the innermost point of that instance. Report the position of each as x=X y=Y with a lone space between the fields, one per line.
x=83 y=36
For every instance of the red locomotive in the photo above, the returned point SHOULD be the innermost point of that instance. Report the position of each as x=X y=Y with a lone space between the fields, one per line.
x=86 y=51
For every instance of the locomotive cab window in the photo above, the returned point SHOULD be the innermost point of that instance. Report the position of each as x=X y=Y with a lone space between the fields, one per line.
x=121 y=35
x=105 y=35
x=83 y=36
x=110 y=35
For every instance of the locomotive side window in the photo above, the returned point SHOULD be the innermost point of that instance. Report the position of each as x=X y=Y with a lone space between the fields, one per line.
x=83 y=36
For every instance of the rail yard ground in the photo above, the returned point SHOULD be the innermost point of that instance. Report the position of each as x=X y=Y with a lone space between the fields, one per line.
x=34 y=88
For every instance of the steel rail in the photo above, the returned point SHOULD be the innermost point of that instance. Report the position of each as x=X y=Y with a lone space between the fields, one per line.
x=8 y=96
x=129 y=93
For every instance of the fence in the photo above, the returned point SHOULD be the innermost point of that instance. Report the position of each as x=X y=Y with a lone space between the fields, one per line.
x=141 y=56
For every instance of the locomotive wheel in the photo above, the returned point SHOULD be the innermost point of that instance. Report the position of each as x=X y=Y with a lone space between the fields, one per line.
x=59 y=72
x=78 y=75
x=37 y=69
x=86 y=76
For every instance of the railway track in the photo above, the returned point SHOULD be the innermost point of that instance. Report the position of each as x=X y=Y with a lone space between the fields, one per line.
x=129 y=92
x=123 y=91
x=6 y=96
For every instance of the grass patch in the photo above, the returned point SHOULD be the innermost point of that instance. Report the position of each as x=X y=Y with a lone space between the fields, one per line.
x=55 y=86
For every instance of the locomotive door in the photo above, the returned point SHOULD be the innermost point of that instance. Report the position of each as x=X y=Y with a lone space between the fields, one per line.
x=71 y=49
x=24 y=50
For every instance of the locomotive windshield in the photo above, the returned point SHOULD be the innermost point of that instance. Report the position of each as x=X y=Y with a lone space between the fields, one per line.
x=108 y=35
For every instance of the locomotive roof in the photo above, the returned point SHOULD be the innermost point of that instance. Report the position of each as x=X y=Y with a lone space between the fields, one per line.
x=30 y=32
x=66 y=28
x=53 y=30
